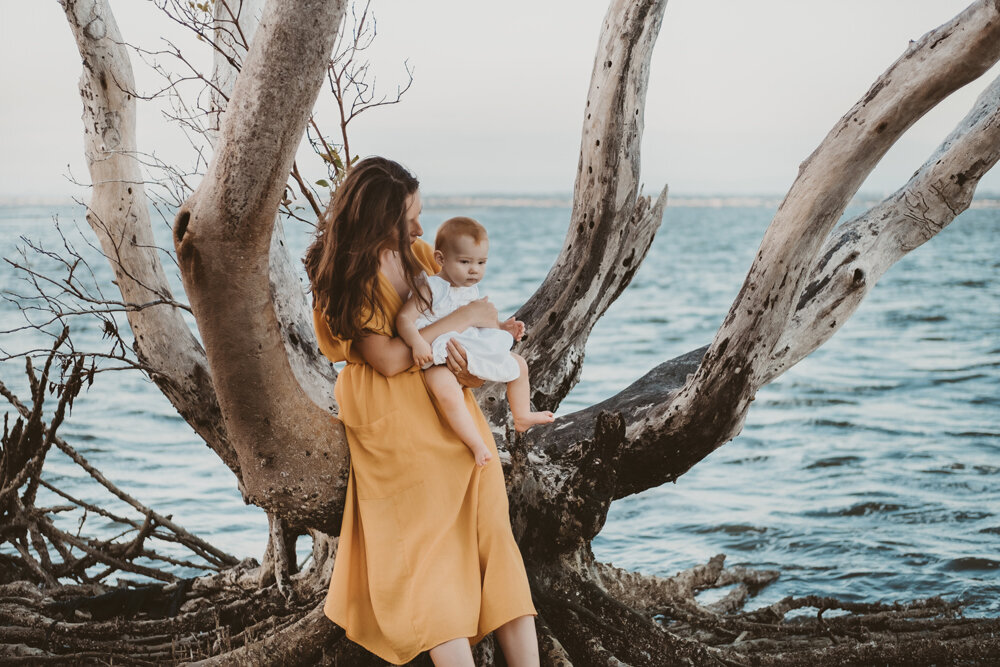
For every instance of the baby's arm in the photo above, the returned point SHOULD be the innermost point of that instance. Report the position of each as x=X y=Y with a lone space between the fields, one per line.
x=406 y=327
x=391 y=355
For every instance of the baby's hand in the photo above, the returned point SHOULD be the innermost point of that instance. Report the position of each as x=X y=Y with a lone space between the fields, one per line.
x=422 y=354
x=514 y=327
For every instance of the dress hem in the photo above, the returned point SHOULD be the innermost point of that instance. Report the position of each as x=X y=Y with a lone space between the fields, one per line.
x=473 y=638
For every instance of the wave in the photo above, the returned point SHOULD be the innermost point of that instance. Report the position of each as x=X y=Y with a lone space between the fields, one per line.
x=970 y=563
x=835 y=462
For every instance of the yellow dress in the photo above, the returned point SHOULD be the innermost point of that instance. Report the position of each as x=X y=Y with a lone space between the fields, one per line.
x=426 y=552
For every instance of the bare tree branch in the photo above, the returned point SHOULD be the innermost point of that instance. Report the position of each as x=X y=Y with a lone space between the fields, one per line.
x=23 y=450
x=119 y=216
x=709 y=410
x=665 y=437
x=611 y=228
x=861 y=250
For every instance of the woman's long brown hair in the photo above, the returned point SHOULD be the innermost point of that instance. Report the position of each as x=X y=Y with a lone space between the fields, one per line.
x=367 y=215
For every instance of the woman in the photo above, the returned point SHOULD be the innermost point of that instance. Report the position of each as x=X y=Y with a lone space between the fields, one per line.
x=426 y=558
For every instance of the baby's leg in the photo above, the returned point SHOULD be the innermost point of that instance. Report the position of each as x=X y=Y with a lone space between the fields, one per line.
x=519 y=398
x=448 y=392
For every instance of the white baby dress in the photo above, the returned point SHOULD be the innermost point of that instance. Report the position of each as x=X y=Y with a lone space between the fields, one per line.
x=488 y=350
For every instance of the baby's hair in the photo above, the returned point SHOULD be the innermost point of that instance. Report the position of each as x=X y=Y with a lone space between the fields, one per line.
x=453 y=228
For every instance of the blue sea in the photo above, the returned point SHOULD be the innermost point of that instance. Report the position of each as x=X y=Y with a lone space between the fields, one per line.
x=869 y=472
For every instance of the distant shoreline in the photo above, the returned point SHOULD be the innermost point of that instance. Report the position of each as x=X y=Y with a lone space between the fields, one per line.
x=989 y=200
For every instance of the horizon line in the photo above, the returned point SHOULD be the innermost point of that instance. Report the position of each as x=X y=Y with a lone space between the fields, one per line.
x=554 y=200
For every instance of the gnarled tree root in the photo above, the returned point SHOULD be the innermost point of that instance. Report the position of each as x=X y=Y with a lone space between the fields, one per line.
x=590 y=613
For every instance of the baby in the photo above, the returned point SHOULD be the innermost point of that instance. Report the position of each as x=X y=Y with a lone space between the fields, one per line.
x=461 y=248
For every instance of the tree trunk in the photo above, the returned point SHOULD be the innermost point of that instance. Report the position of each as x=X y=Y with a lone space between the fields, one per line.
x=292 y=452
x=234 y=30
x=235 y=26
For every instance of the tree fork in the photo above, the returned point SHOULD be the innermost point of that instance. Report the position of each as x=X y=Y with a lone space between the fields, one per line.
x=861 y=250
x=870 y=243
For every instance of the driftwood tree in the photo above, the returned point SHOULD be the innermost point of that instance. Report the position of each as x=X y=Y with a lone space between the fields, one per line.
x=288 y=451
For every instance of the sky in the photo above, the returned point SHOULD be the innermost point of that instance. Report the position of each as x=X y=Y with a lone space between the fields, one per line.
x=739 y=93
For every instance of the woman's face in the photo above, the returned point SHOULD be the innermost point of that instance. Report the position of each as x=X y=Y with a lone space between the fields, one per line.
x=413 y=209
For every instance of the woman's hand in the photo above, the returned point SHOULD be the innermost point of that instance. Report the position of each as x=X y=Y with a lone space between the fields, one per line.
x=458 y=363
x=481 y=313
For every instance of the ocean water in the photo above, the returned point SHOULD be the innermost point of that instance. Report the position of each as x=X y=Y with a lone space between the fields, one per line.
x=870 y=471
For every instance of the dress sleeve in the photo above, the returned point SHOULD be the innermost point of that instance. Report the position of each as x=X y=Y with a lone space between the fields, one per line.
x=339 y=349
x=333 y=348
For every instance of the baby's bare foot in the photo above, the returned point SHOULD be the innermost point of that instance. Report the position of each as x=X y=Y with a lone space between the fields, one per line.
x=522 y=424
x=482 y=454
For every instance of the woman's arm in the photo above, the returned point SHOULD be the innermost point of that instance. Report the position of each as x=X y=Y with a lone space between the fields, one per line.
x=391 y=356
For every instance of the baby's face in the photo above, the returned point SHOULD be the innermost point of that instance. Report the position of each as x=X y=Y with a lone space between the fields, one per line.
x=463 y=261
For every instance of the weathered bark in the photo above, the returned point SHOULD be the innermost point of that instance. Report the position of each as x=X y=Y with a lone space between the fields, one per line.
x=234 y=29
x=292 y=452
x=611 y=227
x=710 y=409
x=870 y=243
x=223 y=619
x=119 y=215
x=278 y=564
x=319 y=567
x=302 y=642
x=861 y=250
x=647 y=592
